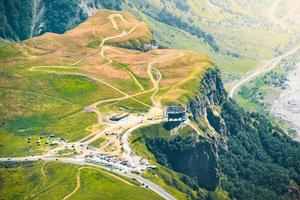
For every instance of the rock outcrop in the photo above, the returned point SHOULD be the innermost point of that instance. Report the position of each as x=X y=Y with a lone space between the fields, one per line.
x=190 y=156
x=196 y=156
x=205 y=107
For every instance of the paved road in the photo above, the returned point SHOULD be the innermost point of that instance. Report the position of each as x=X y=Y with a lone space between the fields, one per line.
x=81 y=161
x=264 y=68
x=269 y=65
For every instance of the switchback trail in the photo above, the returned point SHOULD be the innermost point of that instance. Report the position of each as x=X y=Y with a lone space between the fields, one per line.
x=132 y=123
x=155 y=80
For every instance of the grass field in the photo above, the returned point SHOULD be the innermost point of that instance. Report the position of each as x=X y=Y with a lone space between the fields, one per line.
x=52 y=180
x=38 y=103
x=98 y=142
x=242 y=30
x=46 y=82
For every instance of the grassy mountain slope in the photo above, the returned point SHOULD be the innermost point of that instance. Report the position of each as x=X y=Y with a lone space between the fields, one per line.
x=237 y=35
x=242 y=30
x=50 y=180
x=44 y=76
x=49 y=82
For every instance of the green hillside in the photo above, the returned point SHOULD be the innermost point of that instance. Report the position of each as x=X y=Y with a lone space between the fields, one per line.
x=78 y=82
x=51 y=180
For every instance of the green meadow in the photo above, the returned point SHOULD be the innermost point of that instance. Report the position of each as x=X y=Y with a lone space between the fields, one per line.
x=35 y=103
x=53 y=180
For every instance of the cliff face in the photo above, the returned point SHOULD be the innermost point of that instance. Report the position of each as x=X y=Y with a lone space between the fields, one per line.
x=197 y=156
x=15 y=19
x=200 y=161
x=205 y=107
x=249 y=148
x=190 y=156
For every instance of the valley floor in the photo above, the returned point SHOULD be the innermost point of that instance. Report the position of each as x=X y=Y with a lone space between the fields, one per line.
x=287 y=106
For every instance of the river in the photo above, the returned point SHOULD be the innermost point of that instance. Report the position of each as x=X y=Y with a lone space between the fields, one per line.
x=287 y=106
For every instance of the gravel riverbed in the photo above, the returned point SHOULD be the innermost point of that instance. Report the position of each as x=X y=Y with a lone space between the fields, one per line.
x=287 y=106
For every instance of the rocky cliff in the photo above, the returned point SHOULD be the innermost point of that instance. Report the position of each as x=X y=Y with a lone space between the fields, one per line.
x=191 y=154
x=188 y=155
x=206 y=105
x=250 y=149
x=245 y=147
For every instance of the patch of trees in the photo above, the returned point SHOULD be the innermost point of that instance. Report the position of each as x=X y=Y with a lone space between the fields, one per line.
x=60 y=16
x=15 y=19
x=173 y=20
x=261 y=161
x=182 y=5
x=275 y=79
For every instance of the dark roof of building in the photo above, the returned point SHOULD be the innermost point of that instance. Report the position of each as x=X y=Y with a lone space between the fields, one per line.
x=175 y=109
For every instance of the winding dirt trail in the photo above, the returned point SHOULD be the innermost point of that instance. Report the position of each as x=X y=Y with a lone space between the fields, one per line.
x=92 y=168
x=112 y=19
x=280 y=22
x=77 y=184
x=155 y=80
x=103 y=48
x=132 y=123
x=42 y=169
x=36 y=68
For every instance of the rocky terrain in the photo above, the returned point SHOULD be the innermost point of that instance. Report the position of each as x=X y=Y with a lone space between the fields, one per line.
x=287 y=105
x=229 y=142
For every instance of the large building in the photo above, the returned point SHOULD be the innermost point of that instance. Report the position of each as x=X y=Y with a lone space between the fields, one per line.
x=175 y=114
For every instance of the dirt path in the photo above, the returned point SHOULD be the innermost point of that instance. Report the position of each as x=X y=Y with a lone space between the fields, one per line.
x=78 y=180
x=155 y=80
x=152 y=186
x=211 y=8
x=269 y=65
x=135 y=80
x=91 y=77
x=193 y=126
x=273 y=18
x=77 y=184
x=130 y=124
x=114 y=23
x=42 y=169
x=102 y=55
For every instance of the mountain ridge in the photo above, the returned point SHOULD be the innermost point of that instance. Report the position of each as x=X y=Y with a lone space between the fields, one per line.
x=63 y=92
